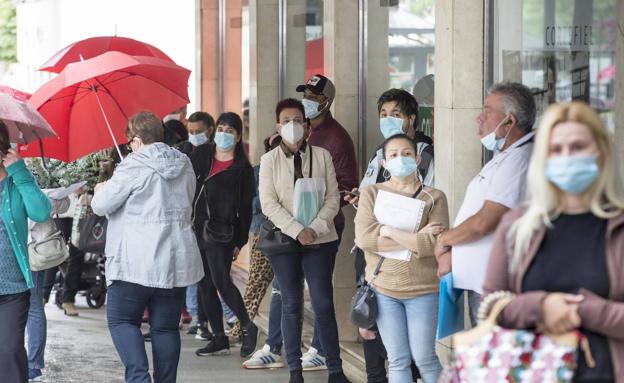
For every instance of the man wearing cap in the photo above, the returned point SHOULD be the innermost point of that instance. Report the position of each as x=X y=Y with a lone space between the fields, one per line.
x=318 y=94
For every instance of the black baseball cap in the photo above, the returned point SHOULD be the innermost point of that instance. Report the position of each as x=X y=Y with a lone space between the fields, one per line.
x=319 y=84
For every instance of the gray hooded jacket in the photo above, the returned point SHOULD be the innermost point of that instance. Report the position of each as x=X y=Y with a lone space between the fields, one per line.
x=148 y=202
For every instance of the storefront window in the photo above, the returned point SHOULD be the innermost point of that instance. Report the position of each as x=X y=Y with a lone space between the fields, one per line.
x=411 y=38
x=562 y=49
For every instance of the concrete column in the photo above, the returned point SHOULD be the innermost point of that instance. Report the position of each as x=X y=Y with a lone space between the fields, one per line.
x=377 y=76
x=263 y=44
x=619 y=81
x=295 y=47
x=209 y=15
x=232 y=87
x=458 y=96
x=340 y=28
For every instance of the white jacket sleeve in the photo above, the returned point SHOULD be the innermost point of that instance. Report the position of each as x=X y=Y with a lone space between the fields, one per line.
x=269 y=201
x=114 y=193
x=331 y=204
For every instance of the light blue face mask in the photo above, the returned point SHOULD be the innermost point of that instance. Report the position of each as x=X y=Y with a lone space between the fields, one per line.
x=572 y=174
x=311 y=108
x=390 y=126
x=491 y=143
x=198 y=139
x=224 y=141
x=401 y=166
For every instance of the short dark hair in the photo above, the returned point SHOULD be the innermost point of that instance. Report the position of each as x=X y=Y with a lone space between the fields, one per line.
x=232 y=119
x=405 y=100
x=518 y=101
x=400 y=136
x=175 y=131
x=4 y=137
x=288 y=103
x=204 y=118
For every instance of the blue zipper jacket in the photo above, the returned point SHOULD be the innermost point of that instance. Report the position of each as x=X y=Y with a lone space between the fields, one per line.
x=22 y=199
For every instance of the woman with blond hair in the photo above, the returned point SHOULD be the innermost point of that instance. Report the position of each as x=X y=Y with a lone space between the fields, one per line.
x=562 y=251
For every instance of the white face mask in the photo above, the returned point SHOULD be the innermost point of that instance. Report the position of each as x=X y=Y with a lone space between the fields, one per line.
x=292 y=132
x=198 y=139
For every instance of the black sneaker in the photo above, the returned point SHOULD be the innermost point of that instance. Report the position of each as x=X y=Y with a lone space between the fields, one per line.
x=249 y=339
x=296 y=376
x=218 y=345
x=338 y=377
x=203 y=333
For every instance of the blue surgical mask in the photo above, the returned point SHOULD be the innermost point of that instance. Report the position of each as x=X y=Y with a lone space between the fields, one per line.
x=198 y=139
x=224 y=141
x=390 y=126
x=311 y=108
x=572 y=174
x=401 y=166
x=491 y=143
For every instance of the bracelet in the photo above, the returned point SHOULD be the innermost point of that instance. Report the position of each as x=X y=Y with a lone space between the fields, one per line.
x=488 y=302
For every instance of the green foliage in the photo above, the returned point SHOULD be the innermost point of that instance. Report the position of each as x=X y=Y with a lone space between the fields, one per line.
x=8 y=31
x=63 y=174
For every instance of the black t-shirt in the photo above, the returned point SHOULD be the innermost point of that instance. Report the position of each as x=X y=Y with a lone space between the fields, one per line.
x=573 y=256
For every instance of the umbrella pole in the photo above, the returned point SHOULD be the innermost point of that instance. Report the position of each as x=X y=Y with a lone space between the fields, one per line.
x=97 y=97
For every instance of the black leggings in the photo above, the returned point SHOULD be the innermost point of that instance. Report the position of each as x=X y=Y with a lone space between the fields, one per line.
x=75 y=262
x=13 y=316
x=217 y=262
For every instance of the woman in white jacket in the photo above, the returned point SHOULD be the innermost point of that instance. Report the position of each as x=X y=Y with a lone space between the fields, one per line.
x=151 y=251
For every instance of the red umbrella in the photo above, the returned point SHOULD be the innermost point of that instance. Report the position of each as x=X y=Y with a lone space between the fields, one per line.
x=89 y=102
x=24 y=123
x=95 y=46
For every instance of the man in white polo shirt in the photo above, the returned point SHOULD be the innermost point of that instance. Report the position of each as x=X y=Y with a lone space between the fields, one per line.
x=506 y=128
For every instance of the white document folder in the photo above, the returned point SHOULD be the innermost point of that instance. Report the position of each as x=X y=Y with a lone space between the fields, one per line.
x=399 y=212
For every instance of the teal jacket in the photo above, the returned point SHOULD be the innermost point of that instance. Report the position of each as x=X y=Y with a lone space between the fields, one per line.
x=22 y=199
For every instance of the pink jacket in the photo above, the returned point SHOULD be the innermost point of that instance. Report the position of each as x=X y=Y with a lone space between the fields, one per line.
x=604 y=316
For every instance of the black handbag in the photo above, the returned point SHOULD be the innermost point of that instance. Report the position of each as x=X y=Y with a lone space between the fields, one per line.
x=364 y=302
x=271 y=241
x=93 y=234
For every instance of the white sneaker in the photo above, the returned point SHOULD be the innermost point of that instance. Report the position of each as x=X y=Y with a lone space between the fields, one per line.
x=312 y=361
x=264 y=358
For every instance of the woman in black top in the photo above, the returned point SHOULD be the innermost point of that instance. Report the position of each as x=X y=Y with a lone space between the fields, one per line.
x=222 y=216
x=562 y=252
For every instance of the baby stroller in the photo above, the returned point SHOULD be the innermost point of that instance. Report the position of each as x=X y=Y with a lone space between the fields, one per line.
x=92 y=281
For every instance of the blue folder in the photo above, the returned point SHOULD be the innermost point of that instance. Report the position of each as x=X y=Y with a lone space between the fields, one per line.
x=450 y=308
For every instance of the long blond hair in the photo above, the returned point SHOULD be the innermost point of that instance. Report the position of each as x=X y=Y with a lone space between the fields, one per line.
x=605 y=197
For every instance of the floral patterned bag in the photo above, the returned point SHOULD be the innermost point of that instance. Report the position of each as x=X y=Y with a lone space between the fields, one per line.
x=489 y=353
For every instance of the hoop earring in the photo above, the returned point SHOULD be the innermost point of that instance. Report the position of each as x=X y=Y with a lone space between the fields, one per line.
x=386 y=174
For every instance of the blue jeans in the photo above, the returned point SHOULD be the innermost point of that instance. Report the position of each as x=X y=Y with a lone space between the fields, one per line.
x=315 y=265
x=408 y=330
x=274 y=339
x=36 y=326
x=229 y=315
x=191 y=300
x=124 y=311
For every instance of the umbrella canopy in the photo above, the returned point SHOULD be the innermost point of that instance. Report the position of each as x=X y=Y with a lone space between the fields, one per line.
x=95 y=46
x=23 y=121
x=90 y=101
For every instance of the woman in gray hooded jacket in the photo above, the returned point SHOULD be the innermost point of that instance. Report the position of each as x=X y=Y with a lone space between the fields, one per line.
x=151 y=250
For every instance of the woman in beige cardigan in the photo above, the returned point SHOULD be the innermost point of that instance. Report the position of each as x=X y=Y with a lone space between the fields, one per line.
x=406 y=290
x=280 y=168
